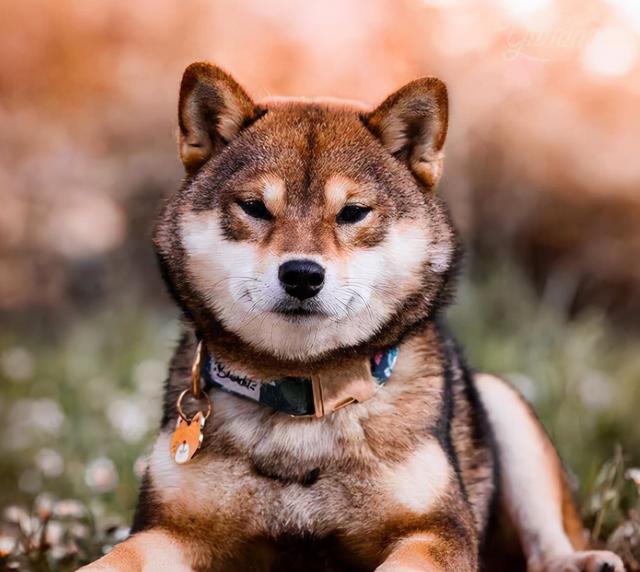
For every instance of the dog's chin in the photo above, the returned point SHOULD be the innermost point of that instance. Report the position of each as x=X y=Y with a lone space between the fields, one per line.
x=291 y=329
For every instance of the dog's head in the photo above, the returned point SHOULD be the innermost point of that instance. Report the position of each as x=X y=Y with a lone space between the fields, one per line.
x=305 y=227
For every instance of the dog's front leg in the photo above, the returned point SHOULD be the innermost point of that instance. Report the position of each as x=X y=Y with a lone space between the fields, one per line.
x=152 y=550
x=534 y=492
x=430 y=552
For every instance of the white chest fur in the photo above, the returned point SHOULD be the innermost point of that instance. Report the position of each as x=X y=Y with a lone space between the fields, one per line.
x=356 y=484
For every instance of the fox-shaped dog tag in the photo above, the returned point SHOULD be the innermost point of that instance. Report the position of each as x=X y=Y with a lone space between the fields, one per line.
x=187 y=438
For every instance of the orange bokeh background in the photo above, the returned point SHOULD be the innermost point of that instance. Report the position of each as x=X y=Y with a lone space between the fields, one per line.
x=542 y=175
x=542 y=154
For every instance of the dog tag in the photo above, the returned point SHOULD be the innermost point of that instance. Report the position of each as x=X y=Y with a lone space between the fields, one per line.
x=187 y=438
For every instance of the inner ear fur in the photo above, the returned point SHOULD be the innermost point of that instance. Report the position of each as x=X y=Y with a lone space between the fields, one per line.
x=212 y=110
x=412 y=124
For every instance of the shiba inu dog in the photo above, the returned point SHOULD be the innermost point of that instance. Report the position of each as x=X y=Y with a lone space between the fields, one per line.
x=318 y=415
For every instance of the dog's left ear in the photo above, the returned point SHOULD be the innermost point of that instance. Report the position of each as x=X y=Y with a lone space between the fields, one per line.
x=412 y=124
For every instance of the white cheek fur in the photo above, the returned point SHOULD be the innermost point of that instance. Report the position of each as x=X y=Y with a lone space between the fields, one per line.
x=360 y=296
x=219 y=267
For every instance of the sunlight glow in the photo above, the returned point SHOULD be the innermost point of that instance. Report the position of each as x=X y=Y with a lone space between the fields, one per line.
x=523 y=9
x=612 y=51
x=629 y=10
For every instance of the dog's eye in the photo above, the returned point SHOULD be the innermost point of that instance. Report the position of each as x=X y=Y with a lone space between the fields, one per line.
x=351 y=214
x=255 y=208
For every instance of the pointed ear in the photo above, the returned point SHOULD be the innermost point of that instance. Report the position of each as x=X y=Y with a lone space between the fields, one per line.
x=212 y=110
x=412 y=124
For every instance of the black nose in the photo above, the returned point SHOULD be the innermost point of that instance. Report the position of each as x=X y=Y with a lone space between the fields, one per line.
x=301 y=278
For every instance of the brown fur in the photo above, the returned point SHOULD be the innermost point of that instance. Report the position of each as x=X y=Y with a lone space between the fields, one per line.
x=313 y=158
x=405 y=480
x=362 y=531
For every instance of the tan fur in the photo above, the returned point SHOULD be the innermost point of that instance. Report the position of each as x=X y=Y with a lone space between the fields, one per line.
x=373 y=449
x=273 y=193
x=545 y=519
x=242 y=279
x=402 y=479
x=426 y=552
x=151 y=551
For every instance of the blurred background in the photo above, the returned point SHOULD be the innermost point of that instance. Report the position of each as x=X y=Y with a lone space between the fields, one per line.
x=542 y=176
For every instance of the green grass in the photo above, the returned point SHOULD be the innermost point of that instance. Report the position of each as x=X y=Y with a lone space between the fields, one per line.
x=79 y=409
x=101 y=383
x=582 y=377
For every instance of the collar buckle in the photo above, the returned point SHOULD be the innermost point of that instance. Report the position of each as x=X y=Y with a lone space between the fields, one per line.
x=339 y=387
x=318 y=401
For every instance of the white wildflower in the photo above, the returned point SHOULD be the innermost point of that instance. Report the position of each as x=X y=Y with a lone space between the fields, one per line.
x=17 y=364
x=69 y=508
x=101 y=475
x=128 y=418
x=49 y=462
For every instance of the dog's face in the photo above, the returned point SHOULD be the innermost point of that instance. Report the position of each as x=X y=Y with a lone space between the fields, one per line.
x=304 y=227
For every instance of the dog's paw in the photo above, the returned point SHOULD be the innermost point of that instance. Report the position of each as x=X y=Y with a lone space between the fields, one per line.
x=587 y=561
x=387 y=567
x=105 y=564
x=98 y=567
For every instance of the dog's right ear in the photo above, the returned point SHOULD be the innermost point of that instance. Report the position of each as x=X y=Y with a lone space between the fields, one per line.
x=412 y=124
x=212 y=110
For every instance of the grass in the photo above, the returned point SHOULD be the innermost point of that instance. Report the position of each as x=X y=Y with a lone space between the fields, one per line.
x=79 y=411
x=582 y=377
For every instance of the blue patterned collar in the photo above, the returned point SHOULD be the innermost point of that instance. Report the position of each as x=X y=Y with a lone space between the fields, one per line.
x=297 y=396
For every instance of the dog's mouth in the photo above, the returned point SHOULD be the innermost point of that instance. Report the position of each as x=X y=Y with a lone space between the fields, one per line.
x=298 y=311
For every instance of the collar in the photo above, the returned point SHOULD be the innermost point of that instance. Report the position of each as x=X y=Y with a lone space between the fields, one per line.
x=316 y=396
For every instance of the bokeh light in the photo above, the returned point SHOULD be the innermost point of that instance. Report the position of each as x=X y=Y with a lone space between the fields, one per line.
x=541 y=175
